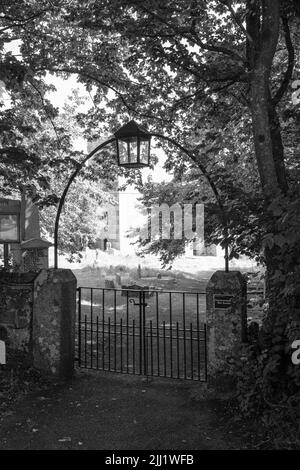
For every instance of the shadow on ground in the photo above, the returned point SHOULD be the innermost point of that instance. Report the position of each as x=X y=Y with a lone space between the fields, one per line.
x=113 y=412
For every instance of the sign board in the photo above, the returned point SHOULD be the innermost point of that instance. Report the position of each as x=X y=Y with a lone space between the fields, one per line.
x=9 y=228
x=9 y=221
x=222 y=301
x=2 y=353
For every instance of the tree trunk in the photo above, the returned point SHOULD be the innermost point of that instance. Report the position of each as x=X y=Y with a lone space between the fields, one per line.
x=266 y=130
x=263 y=27
x=277 y=147
x=262 y=133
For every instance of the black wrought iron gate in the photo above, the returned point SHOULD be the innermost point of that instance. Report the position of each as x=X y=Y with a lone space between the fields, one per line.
x=145 y=332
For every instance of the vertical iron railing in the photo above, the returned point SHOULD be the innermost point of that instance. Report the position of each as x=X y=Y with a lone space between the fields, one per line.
x=145 y=332
x=79 y=326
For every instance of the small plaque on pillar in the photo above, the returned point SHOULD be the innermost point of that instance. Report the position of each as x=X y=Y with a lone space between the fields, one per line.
x=222 y=301
x=9 y=221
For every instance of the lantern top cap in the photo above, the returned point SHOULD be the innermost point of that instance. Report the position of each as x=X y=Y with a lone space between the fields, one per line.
x=131 y=129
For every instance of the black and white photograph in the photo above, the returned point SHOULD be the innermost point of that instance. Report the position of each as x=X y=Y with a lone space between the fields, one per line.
x=150 y=228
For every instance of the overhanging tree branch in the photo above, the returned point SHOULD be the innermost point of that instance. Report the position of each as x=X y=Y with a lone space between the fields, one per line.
x=18 y=22
x=193 y=37
x=227 y=4
x=291 y=61
x=82 y=73
x=45 y=110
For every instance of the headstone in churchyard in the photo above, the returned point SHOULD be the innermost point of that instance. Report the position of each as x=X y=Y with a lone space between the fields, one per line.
x=109 y=283
x=133 y=290
x=2 y=352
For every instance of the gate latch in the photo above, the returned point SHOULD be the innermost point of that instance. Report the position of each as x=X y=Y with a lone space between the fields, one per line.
x=142 y=304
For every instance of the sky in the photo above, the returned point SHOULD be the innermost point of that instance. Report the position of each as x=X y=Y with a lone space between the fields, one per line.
x=130 y=216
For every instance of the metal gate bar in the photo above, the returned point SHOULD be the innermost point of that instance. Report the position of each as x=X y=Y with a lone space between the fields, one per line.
x=151 y=332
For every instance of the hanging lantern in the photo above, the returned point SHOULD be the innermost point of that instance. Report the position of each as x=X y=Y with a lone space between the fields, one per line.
x=133 y=146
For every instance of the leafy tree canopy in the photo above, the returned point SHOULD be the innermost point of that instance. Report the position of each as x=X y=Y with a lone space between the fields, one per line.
x=190 y=70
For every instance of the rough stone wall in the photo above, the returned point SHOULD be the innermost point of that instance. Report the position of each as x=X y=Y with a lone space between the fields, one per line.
x=37 y=319
x=16 y=300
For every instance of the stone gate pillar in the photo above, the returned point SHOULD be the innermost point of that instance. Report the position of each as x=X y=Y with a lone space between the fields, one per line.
x=226 y=316
x=53 y=325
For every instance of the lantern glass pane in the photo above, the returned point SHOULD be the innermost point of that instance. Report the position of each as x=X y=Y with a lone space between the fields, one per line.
x=133 y=151
x=144 y=151
x=9 y=228
x=123 y=152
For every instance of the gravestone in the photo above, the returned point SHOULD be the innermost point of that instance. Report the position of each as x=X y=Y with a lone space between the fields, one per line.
x=2 y=353
x=134 y=290
x=139 y=271
x=109 y=283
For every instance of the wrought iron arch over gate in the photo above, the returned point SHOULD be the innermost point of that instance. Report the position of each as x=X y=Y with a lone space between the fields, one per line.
x=115 y=139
